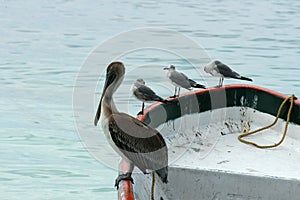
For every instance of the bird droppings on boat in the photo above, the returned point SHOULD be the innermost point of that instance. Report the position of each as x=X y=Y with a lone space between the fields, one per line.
x=243 y=101
x=230 y=126
x=234 y=99
x=195 y=149
x=184 y=135
x=251 y=170
x=227 y=125
x=223 y=161
x=197 y=134
x=245 y=119
x=171 y=123
x=255 y=101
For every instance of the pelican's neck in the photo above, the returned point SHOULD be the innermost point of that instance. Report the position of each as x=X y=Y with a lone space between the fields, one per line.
x=108 y=105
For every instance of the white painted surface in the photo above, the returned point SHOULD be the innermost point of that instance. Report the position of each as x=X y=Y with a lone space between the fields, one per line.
x=215 y=165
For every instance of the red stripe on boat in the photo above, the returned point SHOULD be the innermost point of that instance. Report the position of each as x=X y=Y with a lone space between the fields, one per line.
x=125 y=191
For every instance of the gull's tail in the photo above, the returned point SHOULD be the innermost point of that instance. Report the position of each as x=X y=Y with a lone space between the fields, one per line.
x=158 y=98
x=194 y=84
x=245 y=78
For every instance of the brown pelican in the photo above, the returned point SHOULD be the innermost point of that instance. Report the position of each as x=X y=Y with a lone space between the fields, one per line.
x=218 y=69
x=180 y=80
x=144 y=94
x=137 y=143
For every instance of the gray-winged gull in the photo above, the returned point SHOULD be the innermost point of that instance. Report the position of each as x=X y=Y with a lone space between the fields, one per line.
x=218 y=69
x=144 y=94
x=180 y=80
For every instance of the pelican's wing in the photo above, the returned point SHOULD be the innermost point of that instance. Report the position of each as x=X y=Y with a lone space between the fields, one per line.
x=141 y=144
x=226 y=71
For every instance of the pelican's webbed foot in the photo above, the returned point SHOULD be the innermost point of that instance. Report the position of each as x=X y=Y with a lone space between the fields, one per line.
x=121 y=177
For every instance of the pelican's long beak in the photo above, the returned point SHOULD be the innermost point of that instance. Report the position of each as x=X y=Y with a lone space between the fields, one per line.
x=166 y=68
x=110 y=77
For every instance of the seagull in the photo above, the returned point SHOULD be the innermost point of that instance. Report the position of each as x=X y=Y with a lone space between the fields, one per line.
x=137 y=143
x=144 y=94
x=218 y=69
x=180 y=80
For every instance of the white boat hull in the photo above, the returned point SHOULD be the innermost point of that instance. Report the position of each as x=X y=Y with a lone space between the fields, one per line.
x=216 y=165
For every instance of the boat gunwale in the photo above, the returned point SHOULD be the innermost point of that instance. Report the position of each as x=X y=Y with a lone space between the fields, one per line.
x=216 y=89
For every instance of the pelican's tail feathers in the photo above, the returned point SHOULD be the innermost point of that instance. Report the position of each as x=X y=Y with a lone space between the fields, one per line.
x=163 y=174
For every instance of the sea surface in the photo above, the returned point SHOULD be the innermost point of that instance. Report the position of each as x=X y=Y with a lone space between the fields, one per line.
x=45 y=45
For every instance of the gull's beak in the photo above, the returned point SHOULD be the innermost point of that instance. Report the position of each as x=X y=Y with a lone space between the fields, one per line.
x=166 y=68
x=110 y=77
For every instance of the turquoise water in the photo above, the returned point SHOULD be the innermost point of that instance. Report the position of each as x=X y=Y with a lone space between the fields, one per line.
x=44 y=44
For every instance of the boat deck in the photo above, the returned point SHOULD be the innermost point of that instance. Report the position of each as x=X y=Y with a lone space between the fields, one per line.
x=209 y=162
x=215 y=146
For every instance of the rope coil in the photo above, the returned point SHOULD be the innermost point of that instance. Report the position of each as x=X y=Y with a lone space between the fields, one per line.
x=152 y=186
x=291 y=98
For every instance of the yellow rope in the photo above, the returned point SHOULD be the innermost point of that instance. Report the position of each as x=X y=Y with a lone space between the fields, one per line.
x=291 y=98
x=152 y=187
